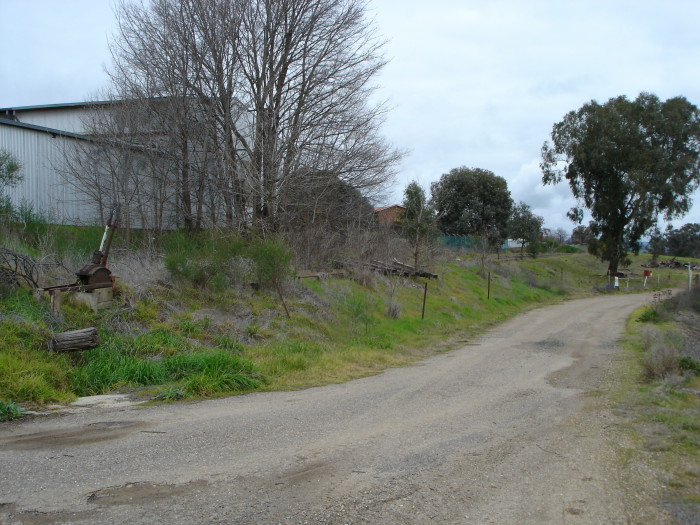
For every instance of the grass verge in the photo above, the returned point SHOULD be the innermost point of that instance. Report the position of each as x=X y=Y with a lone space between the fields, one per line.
x=657 y=390
x=184 y=339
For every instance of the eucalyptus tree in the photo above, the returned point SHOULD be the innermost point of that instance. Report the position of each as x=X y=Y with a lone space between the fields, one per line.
x=581 y=235
x=683 y=241
x=627 y=163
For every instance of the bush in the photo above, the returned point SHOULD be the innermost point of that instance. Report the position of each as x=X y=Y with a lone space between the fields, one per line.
x=27 y=225
x=360 y=308
x=567 y=248
x=649 y=315
x=689 y=364
x=10 y=411
x=273 y=261
x=393 y=309
x=203 y=258
x=106 y=368
x=664 y=354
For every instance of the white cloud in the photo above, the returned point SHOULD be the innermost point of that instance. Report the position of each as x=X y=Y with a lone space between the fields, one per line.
x=471 y=82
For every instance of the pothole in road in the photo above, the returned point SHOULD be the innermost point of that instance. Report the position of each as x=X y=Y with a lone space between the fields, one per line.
x=549 y=344
x=91 y=433
x=141 y=493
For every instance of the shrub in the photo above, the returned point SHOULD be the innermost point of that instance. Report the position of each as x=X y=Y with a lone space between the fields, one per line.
x=689 y=364
x=26 y=225
x=208 y=384
x=198 y=258
x=171 y=394
x=219 y=282
x=146 y=310
x=393 y=309
x=159 y=341
x=273 y=261
x=10 y=411
x=664 y=355
x=359 y=308
x=649 y=315
x=567 y=248
x=212 y=372
x=226 y=343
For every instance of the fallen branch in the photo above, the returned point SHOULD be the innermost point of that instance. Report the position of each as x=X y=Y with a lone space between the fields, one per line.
x=15 y=266
x=75 y=340
x=399 y=268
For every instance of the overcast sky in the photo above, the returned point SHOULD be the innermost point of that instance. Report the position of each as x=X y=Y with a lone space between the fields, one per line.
x=476 y=83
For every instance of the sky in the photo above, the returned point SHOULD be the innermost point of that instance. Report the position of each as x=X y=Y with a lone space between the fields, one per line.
x=475 y=83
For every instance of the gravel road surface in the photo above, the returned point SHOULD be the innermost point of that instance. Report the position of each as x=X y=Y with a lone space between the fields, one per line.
x=504 y=429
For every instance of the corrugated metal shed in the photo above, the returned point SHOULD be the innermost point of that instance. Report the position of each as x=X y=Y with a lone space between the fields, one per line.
x=65 y=117
x=40 y=151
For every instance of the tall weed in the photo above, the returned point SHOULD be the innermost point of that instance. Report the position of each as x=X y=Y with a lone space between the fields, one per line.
x=360 y=308
x=273 y=261
x=663 y=353
x=197 y=258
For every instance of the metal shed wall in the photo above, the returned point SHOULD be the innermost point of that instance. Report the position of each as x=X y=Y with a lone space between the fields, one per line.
x=41 y=156
x=66 y=119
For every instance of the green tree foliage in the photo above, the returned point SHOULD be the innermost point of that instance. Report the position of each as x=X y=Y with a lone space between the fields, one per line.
x=273 y=261
x=10 y=171
x=417 y=220
x=526 y=227
x=472 y=201
x=657 y=244
x=627 y=162
x=581 y=235
x=10 y=176
x=684 y=241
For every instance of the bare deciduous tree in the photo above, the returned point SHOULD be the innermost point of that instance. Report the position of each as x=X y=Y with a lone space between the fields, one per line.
x=252 y=102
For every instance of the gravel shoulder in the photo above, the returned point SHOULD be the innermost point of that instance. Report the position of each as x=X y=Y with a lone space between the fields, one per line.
x=505 y=429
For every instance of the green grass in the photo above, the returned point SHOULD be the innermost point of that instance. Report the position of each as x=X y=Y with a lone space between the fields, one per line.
x=339 y=330
x=664 y=417
x=361 y=338
x=202 y=373
x=28 y=372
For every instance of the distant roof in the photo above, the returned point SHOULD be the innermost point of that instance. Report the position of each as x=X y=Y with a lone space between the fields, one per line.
x=382 y=208
x=56 y=106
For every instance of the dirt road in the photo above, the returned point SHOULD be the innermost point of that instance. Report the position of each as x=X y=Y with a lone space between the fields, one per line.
x=502 y=430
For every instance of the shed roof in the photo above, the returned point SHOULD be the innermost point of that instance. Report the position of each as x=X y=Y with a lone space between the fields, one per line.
x=43 y=129
x=43 y=107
